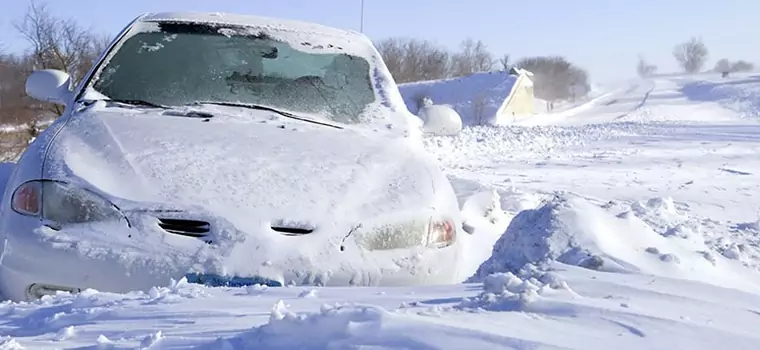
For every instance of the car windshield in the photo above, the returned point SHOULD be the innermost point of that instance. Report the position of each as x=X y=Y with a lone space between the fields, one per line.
x=182 y=63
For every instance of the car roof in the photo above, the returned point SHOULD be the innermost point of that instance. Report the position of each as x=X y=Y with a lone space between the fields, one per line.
x=268 y=23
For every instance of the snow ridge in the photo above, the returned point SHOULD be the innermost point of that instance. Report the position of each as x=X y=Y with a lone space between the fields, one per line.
x=649 y=237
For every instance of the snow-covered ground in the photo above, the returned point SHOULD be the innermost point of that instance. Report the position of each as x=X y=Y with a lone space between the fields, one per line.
x=629 y=222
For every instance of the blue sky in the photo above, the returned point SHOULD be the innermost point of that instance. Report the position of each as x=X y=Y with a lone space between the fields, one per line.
x=603 y=36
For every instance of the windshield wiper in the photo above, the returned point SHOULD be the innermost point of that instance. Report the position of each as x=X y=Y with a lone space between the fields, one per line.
x=138 y=103
x=141 y=103
x=267 y=108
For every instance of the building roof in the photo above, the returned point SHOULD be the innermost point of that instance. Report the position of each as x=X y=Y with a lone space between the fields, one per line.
x=463 y=94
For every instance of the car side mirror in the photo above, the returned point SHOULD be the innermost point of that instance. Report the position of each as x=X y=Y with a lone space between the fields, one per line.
x=49 y=85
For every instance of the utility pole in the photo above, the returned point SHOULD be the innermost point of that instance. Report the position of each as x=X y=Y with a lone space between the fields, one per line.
x=361 y=23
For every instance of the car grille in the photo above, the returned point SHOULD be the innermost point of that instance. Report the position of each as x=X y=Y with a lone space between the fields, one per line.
x=292 y=231
x=292 y=228
x=190 y=228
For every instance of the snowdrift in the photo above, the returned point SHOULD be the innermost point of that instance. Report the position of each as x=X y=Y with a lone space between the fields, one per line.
x=649 y=237
x=474 y=97
x=740 y=93
x=490 y=145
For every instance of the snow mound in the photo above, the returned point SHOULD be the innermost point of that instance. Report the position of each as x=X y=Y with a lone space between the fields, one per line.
x=649 y=237
x=440 y=120
x=506 y=292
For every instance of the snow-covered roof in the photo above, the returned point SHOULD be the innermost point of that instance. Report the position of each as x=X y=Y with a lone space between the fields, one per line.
x=463 y=94
x=517 y=71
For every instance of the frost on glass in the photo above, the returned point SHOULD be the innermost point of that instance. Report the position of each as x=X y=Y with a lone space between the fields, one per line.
x=181 y=63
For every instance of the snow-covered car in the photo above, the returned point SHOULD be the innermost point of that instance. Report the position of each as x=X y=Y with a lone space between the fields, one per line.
x=227 y=149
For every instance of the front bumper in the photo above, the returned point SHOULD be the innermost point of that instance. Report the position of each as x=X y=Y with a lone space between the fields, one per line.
x=121 y=260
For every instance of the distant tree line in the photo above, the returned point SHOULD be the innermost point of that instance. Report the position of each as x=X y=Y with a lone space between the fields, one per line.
x=64 y=44
x=412 y=60
x=725 y=65
x=691 y=56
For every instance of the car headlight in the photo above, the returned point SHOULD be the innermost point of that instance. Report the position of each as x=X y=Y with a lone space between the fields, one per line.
x=62 y=203
x=433 y=233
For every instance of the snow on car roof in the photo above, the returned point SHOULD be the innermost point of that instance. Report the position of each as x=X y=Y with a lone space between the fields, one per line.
x=348 y=41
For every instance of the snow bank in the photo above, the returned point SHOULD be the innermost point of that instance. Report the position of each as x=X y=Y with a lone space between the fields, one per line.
x=649 y=237
x=741 y=93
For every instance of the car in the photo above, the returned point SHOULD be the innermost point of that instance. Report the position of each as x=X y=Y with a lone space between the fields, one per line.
x=226 y=149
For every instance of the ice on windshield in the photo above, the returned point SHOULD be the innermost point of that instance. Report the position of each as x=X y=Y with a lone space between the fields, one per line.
x=181 y=63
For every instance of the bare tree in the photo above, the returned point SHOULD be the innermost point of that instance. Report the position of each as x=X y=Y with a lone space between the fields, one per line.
x=15 y=106
x=479 y=109
x=58 y=43
x=555 y=78
x=504 y=62
x=52 y=42
x=411 y=60
x=473 y=57
x=691 y=55
x=414 y=59
x=645 y=69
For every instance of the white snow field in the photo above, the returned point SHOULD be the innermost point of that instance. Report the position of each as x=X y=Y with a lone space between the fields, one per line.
x=631 y=222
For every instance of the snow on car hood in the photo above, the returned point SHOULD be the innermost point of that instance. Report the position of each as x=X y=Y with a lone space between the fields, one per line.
x=243 y=175
x=250 y=172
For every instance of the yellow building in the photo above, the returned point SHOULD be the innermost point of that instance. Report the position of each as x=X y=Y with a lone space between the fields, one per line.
x=521 y=101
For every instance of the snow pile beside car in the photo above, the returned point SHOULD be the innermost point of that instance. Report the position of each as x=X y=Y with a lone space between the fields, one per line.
x=486 y=212
x=650 y=237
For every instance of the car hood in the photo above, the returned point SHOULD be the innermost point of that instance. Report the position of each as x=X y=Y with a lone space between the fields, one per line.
x=251 y=172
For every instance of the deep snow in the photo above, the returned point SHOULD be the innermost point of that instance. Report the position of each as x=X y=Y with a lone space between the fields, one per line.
x=568 y=308
x=628 y=223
